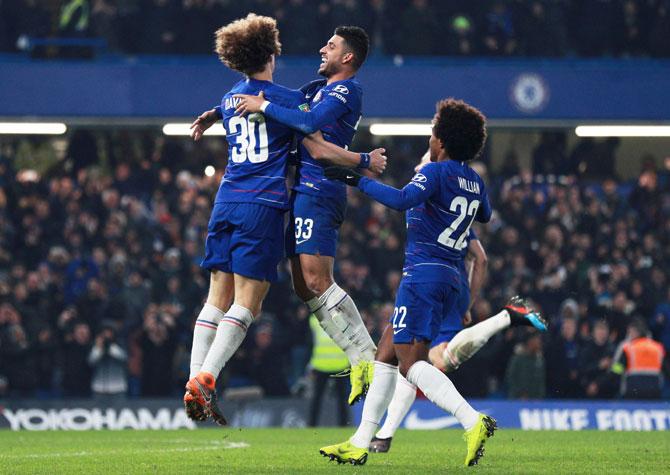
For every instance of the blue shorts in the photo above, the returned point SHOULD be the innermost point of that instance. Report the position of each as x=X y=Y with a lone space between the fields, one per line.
x=452 y=321
x=419 y=309
x=313 y=225
x=245 y=239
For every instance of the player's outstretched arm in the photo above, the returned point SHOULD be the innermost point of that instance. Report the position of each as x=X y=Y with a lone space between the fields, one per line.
x=416 y=191
x=320 y=149
x=327 y=112
x=204 y=122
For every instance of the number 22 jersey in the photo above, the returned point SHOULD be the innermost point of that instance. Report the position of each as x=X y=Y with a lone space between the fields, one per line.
x=442 y=201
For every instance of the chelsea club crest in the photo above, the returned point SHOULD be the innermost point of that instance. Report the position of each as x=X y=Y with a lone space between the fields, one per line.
x=529 y=93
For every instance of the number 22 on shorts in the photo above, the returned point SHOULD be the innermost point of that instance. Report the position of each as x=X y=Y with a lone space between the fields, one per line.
x=398 y=320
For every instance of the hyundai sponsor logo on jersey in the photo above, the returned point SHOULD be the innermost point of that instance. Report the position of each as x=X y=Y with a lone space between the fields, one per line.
x=547 y=415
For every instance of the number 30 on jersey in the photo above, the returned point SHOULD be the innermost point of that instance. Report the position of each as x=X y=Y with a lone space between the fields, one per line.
x=251 y=138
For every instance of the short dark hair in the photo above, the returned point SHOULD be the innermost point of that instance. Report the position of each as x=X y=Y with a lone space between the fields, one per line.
x=246 y=45
x=461 y=128
x=357 y=40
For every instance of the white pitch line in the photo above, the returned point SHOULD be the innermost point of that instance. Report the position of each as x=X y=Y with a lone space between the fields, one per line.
x=225 y=445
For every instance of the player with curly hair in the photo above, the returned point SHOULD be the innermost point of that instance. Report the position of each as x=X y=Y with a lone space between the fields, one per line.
x=442 y=200
x=332 y=109
x=245 y=236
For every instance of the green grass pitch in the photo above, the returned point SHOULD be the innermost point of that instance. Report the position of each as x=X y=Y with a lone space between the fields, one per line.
x=295 y=451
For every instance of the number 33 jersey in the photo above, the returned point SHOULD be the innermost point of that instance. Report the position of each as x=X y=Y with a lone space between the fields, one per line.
x=258 y=148
x=438 y=228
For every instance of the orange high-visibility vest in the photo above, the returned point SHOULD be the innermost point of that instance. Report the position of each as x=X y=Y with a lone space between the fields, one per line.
x=644 y=356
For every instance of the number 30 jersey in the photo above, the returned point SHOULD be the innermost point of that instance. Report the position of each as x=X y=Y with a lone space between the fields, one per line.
x=258 y=148
x=442 y=201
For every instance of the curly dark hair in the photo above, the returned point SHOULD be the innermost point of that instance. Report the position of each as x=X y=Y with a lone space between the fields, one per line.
x=461 y=128
x=247 y=44
x=358 y=42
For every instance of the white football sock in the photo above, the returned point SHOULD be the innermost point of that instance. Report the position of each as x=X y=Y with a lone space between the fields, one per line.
x=348 y=320
x=320 y=310
x=442 y=392
x=467 y=342
x=229 y=336
x=203 y=335
x=403 y=397
x=378 y=398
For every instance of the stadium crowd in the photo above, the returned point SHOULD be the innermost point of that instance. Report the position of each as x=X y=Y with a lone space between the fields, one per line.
x=547 y=28
x=100 y=283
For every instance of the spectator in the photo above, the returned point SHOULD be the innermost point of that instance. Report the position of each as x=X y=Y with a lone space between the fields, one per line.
x=158 y=349
x=107 y=358
x=327 y=360
x=562 y=362
x=418 y=29
x=595 y=360
x=525 y=377
x=89 y=247
x=499 y=32
x=76 y=370
x=640 y=363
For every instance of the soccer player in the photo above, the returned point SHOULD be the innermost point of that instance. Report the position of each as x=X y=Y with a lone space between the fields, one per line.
x=442 y=201
x=318 y=204
x=453 y=345
x=245 y=240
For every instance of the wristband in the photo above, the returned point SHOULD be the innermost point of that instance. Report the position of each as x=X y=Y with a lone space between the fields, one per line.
x=365 y=161
x=264 y=105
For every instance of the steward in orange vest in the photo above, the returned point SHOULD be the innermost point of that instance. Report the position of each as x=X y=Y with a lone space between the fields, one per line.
x=639 y=362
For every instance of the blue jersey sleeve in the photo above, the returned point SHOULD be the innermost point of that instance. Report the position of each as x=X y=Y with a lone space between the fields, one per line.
x=326 y=112
x=422 y=186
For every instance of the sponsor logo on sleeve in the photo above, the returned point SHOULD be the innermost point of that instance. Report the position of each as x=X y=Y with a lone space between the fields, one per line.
x=417 y=181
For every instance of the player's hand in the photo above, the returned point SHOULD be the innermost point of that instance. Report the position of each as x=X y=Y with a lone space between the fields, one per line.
x=377 y=161
x=346 y=175
x=249 y=104
x=467 y=318
x=424 y=160
x=202 y=123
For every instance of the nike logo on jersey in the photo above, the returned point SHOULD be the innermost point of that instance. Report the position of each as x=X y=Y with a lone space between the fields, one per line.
x=395 y=332
x=301 y=241
x=350 y=177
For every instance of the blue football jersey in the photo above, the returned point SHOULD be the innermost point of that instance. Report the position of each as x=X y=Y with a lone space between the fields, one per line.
x=442 y=200
x=343 y=100
x=258 y=148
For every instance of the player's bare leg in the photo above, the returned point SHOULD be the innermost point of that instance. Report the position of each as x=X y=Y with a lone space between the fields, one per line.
x=249 y=295
x=337 y=315
x=219 y=299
